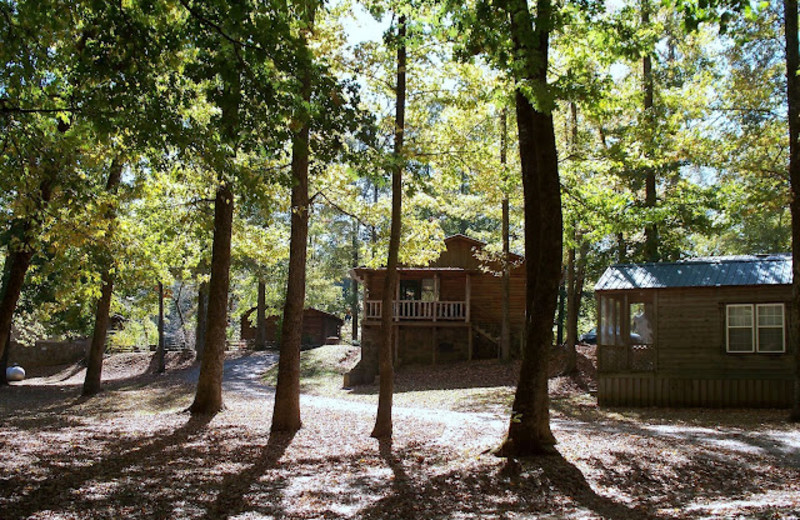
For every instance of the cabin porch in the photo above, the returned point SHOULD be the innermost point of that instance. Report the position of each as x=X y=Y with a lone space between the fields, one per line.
x=626 y=332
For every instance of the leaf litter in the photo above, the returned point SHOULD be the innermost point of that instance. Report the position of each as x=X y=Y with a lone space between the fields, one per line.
x=132 y=452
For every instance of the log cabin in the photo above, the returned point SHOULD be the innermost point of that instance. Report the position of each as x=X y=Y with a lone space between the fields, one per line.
x=318 y=327
x=703 y=332
x=448 y=310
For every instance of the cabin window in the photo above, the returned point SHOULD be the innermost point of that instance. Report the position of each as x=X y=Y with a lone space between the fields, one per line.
x=428 y=289
x=424 y=290
x=755 y=328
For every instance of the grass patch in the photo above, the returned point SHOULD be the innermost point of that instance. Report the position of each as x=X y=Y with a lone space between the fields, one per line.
x=321 y=369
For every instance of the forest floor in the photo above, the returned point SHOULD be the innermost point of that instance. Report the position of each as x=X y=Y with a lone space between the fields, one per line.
x=132 y=452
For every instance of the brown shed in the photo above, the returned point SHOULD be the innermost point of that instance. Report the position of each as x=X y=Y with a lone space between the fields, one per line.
x=318 y=326
x=708 y=332
x=449 y=310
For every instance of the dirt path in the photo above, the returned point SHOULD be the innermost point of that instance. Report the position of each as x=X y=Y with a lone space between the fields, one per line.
x=243 y=380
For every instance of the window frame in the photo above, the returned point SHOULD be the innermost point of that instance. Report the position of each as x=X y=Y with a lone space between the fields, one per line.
x=728 y=328
x=754 y=328
x=782 y=328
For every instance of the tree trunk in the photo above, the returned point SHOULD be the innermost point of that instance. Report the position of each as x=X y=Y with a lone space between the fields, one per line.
x=529 y=428
x=571 y=361
x=161 y=349
x=354 y=307
x=261 y=317
x=576 y=267
x=94 y=364
x=202 y=315
x=18 y=260
x=208 y=397
x=4 y=362
x=505 y=323
x=286 y=413
x=562 y=295
x=650 y=229
x=176 y=298
x=383 y=420
x=793 y=96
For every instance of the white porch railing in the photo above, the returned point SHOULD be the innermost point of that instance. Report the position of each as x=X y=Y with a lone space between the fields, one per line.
x=420 y=310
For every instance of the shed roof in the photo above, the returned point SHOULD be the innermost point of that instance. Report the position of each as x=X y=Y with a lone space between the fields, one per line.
x=713 y=271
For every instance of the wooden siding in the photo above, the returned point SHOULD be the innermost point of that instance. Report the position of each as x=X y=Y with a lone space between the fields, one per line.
x=693 y=367
x=487 y=298
x=691 y=334
x=317 y=327
x=458 y=253
x=654 y=390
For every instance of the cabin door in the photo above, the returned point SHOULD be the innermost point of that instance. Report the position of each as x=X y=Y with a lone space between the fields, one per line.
x=641 y=333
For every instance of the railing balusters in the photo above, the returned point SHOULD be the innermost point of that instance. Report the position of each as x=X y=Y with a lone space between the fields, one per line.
x=420 y=310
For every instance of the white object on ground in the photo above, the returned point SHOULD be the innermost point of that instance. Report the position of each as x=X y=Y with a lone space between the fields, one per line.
x=15 y=373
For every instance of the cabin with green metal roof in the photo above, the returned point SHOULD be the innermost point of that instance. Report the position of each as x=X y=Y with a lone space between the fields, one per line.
x=707 y=332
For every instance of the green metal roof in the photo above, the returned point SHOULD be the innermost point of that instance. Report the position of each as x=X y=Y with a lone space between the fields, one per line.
x=714 y=271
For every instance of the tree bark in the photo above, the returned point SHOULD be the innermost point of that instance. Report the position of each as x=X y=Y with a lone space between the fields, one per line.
x=793 y=96
x=354 y=307
x=94 y=368
x=202 y=314
x=505 y=323
x=529 y=428
x=261 y=317
x=576 y=269
x=18 y=260
x=4 y=363
x=383 y=420
x=161 y=349
x=651 y=241
x=208 y=397
x=286 y=413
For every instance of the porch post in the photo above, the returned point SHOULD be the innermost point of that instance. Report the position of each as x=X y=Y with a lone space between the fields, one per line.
x=367 y=281
x=468 y=298
x=435 y=303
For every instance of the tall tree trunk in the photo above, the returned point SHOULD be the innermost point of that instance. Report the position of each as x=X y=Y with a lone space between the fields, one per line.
x=4 y=362
x=161 y=349
x=576 y=269
x=573 y=293
x=202 y=315
x=354 y=307
x=18 y=260
x=286 y=413
x=793 y=95
x=261 y=317
x=383 y=420
x=562 y=296
x=94 y=364
x=529 y=428
x=208 y=397
x=572 y=318
x=651 y=245
x=505 y=323
x=176 y=298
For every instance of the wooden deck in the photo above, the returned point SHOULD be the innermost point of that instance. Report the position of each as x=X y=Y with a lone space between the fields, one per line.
x=417 y=310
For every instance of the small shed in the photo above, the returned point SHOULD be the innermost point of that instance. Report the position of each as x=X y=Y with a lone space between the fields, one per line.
x=318 y=326
x=710 y=332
